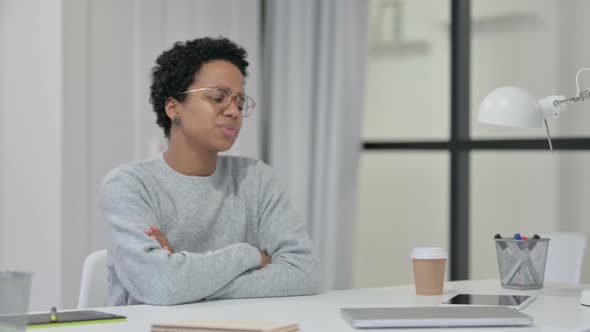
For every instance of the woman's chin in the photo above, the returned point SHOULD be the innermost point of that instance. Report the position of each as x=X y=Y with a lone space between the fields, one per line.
x=224 y=146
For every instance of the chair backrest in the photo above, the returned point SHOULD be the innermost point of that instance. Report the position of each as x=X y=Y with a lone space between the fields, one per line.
x=94 y=288
x=565 y=257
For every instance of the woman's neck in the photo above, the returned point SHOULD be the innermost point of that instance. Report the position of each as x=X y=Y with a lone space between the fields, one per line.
x=187 y=160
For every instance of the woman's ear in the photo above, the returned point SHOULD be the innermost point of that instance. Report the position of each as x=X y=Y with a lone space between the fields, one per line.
x=172 y=107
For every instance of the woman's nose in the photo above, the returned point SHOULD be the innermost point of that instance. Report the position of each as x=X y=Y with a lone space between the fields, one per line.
x=232 y=109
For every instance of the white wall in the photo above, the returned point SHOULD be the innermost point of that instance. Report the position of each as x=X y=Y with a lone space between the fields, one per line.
x=75 y=88
x=31 y=144
x=2 y=99
x=75 y=229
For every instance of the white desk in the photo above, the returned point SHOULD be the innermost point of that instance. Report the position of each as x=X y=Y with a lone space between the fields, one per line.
x=555 y=309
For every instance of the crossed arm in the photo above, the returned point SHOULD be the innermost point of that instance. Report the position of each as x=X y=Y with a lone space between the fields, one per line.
x=155 y=233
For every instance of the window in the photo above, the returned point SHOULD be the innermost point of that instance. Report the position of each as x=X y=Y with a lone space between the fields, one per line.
x=429 y=170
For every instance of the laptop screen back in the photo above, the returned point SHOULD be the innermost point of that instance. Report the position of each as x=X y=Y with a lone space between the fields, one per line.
x=441 y=316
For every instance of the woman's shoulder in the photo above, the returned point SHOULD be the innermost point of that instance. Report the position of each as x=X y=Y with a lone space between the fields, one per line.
x=131 y=172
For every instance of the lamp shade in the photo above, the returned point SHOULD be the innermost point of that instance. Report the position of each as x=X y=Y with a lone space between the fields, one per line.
x=511 y=106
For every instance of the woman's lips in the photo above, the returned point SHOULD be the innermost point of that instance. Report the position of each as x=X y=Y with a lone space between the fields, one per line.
x=229 y=131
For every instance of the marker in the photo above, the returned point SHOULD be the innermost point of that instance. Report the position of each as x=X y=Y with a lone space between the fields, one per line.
x=53 y=315
x=532 y=244
x=518 y=237
x=502 y=244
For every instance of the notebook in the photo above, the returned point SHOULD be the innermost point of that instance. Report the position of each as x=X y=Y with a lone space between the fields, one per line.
x=77 y=317
x=441 y=316
x=224 y=326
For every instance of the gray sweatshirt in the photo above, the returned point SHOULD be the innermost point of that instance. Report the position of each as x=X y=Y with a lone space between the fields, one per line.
x=216 y=225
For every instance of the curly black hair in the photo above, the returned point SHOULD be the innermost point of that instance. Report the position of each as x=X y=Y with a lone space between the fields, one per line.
x=177 y=68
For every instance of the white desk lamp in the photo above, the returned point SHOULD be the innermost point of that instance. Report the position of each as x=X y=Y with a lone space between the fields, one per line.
x=515 y=107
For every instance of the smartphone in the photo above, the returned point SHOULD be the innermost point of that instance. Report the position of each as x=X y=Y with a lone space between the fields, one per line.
x=517 y=302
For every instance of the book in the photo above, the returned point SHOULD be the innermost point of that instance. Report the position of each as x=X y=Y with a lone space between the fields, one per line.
x=224 y=326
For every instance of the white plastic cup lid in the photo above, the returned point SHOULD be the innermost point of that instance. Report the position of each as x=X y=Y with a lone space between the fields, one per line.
x=429 y=253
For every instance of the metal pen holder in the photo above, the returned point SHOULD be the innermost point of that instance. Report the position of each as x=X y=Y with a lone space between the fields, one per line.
x=522 y=262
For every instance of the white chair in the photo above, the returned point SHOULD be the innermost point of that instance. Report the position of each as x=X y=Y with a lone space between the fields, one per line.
x=565 y=257
x=94 y=288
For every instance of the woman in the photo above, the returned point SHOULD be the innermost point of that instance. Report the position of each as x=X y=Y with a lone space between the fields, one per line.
x=189 y=224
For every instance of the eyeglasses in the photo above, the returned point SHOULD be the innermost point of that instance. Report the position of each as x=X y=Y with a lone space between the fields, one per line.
x=221 y=98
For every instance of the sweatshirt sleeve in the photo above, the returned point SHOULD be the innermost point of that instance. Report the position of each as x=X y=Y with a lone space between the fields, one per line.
x=283 y=235
x=151 y=274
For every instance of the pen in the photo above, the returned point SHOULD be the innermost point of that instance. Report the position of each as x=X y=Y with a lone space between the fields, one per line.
x=53 y=315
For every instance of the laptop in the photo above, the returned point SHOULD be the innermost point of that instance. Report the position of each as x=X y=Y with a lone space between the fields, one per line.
x=440 y=316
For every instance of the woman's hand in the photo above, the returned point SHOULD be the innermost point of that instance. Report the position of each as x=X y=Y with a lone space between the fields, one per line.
x=157 y=235
x=264 y=259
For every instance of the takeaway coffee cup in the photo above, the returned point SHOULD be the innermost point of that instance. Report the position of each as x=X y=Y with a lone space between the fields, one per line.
x=429 y=270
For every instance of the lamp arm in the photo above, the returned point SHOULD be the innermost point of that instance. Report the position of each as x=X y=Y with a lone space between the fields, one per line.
x=580 y=97
x=554 y=105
